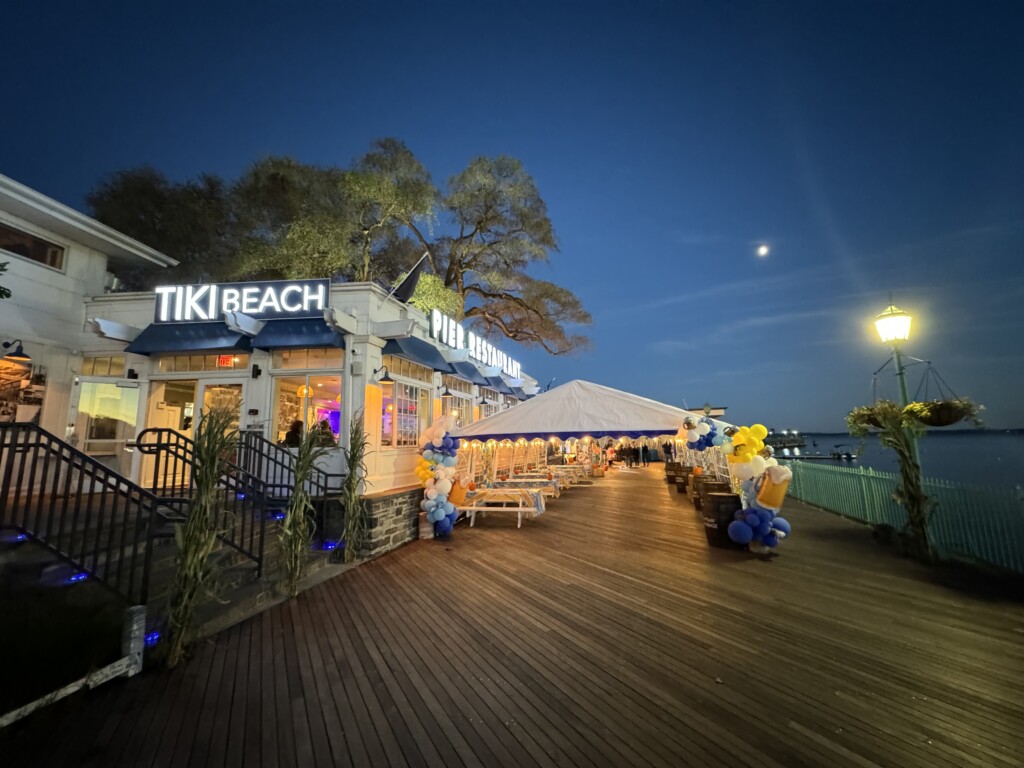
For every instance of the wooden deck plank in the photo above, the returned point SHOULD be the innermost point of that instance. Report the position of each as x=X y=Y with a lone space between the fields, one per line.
x=604 y=633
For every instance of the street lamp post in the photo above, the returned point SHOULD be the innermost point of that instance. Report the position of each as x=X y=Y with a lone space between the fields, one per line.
x=893 y=327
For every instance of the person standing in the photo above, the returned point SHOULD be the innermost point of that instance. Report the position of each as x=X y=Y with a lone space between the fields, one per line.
x=645 y=455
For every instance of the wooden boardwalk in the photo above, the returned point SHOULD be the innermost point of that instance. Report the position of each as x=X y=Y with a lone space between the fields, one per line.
x=604 y=633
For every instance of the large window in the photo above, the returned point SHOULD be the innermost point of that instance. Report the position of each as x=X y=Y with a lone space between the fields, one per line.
x=460 y=404
x=405 y=409
x=490 y=402
x=309 y=399
x=31 y=247
x=103 y=365
x=191 y=363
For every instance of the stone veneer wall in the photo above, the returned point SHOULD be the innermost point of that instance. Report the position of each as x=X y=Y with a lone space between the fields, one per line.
x=393 y=518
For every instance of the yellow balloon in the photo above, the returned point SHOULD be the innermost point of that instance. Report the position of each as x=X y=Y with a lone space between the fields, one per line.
x=744 y=431
x=756 y=445
x=759 y=431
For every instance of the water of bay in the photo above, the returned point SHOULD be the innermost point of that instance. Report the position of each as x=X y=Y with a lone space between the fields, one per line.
x=982 y=457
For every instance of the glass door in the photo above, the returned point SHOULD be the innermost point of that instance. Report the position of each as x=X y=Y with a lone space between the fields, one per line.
x=223 y=395
x=102 y=422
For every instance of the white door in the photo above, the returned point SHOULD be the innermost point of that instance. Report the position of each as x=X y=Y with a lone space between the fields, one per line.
x=101 y=421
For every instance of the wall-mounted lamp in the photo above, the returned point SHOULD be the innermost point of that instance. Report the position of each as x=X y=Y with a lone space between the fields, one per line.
x=387 y=385
x=256 y=371
x=484 y=401
x=446 y=394
x=132 y=374
x=16 y=355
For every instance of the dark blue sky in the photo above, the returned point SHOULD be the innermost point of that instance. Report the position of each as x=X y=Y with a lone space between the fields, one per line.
x=876 y=147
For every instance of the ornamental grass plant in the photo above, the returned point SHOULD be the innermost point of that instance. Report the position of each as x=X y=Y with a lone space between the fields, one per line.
x=216 y=438
x=298 y=528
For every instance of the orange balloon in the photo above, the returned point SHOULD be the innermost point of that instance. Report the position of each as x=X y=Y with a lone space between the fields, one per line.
x=698 y=470
x=472 y=486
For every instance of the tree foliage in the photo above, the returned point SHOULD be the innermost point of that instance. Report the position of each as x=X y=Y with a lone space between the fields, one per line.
x=190 y=222
x=284 y=219
x=5 y=293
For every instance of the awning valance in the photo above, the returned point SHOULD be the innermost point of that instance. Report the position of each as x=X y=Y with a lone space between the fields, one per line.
x=497 y=383
x=418 y=351
x=520 y=394
x=297 y=333
x=187 y=337
x=470 y=373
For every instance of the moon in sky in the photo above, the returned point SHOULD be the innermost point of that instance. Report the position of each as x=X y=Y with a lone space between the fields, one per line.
x=763 y=250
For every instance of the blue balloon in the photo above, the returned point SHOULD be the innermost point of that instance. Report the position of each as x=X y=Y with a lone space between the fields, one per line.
x=770 y=540
x=425 y=505
x=450 y=461
x=453 y=516
x=764 y=529
x=764 y=515
x=753 y=520
x=428 y=454
x=449 y=508
x=446 y=442
x=740 y=515
x=441 y=498
x=456 y=443
x=782 y=524
x=740 y=532
x=442 y=527
x=691 y=445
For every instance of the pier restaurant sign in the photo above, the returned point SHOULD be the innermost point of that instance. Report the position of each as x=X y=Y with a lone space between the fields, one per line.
x=268 y=300
x=452 y=334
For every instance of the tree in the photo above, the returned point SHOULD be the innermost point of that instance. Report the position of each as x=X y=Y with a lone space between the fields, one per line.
x=388 y=187
x=500 y=227
x=5 y=293
x=291 y=220
x=190 y=222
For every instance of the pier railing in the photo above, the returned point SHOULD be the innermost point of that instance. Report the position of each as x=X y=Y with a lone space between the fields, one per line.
x=973 y=523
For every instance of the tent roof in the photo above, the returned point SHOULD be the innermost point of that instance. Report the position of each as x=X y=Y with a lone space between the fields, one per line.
x=578 y=409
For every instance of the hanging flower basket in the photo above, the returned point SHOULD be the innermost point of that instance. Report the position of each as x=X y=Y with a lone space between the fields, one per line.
x=943 y=413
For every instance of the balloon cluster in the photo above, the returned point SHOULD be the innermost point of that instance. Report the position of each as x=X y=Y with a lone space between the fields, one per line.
x=700 y=435
x=745 y=449
x=756 y=523
x=437 y=471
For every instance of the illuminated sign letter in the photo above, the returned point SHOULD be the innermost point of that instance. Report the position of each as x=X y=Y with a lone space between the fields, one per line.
x=284 y=298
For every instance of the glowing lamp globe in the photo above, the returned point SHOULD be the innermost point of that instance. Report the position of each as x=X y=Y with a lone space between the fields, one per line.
x=893 y=325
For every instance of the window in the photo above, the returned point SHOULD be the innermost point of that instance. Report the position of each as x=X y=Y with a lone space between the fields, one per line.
x=311 y=399
x=493 y=402
x=189 y=363
x=317 y=357
x=460 y=405
x=404 y=412
x=31 y=247
x=399 y=366
x=107 y=365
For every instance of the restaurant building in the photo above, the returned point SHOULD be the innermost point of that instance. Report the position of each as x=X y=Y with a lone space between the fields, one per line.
x=106 y=365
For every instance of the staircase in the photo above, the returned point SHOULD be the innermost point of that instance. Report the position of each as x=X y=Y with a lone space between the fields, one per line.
x=99 y=525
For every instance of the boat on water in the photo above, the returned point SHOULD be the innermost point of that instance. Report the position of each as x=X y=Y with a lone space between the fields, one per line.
x=790 y=444
x=787 y=438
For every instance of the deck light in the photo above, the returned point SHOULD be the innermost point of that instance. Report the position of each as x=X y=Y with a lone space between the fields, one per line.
x=893 y=325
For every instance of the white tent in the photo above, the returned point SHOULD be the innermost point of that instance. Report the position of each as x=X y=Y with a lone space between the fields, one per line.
x=580 y=409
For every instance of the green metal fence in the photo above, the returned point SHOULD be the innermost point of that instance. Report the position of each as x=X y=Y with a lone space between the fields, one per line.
x=967 y=522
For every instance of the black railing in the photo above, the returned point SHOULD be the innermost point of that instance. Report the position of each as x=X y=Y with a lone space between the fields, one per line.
x=275 y=466
x=97 y=521
x=242 y=497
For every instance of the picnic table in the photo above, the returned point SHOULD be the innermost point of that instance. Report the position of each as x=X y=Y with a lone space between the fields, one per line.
x=524 y=501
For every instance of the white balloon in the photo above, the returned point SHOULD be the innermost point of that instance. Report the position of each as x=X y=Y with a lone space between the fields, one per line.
x=758 y=464
x=743 y=471
x=772 y=462
x=431 y=493
x=727 y=448
x=443 y=486
x=692 y=436
x=438 y=442
x=703 y=428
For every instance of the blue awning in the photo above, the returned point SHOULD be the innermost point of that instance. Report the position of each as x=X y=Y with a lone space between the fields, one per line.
x=297 y=333
x=418 y=351
x=187 y=337
x=470 y=373
x=498 y=383
x=520 y=394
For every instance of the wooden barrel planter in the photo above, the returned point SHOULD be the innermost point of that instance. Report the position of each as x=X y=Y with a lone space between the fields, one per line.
x=719 y=510
x=683 y=478
x=708 y=487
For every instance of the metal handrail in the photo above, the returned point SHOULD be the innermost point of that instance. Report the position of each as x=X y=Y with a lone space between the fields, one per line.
x=243 y=496
x=275 y=466
x=91 y=517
